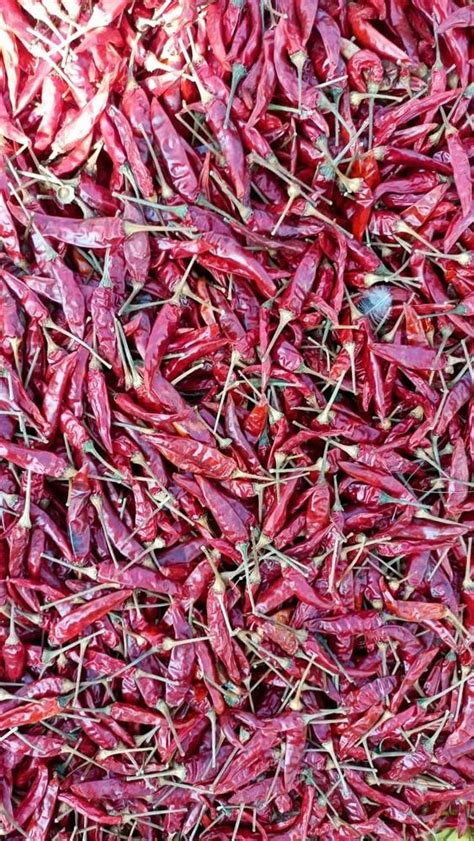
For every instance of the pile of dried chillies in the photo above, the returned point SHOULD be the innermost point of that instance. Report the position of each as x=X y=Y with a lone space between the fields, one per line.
x=236 y=420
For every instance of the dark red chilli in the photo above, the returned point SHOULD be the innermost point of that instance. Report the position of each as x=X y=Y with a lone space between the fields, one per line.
x=236 y=420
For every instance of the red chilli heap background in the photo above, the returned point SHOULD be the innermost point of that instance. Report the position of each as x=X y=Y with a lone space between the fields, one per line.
x=236 y=420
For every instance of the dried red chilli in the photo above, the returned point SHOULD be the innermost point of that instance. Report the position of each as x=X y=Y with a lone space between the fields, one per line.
x=236 y=419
